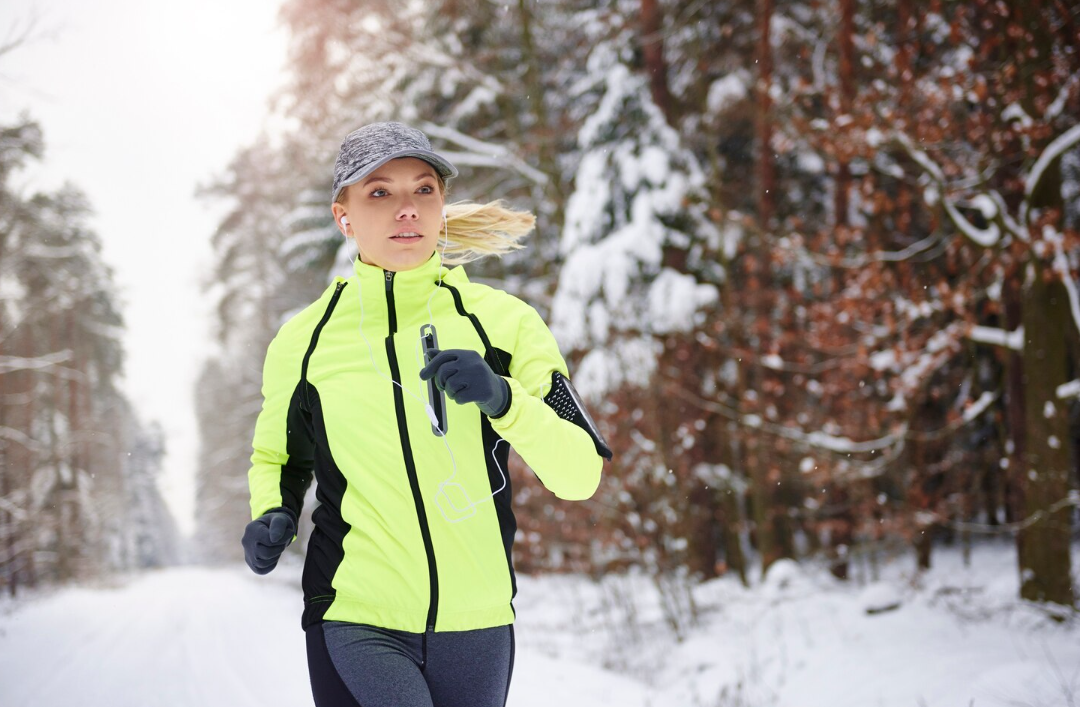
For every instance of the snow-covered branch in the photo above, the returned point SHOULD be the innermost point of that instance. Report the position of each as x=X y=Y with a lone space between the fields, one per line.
x=1052 y=152
x=921 y=158
x=483 y=154
x=998 y=337
x=1054 y=109
x=9 y=364
x=973 y=411
x=818 y=439
x=1061 y=267
x=1069 y=390
x=861 y=261
x=14 y=510
x=20 y=437
x=1073 y=499
x=37 y=250
x=985 y=237
x=939 y=349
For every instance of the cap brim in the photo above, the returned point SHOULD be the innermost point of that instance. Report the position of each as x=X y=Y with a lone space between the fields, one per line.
x=441 y=165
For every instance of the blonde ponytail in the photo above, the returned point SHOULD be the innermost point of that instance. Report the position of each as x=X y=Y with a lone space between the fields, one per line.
x=476 y=230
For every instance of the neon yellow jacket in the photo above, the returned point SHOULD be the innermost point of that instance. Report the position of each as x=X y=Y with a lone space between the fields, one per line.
x=394 y=546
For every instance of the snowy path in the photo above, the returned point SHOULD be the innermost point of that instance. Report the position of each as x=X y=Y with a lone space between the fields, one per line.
x=205 y=637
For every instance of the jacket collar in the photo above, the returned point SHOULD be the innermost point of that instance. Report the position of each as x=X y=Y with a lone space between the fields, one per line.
x=411 y=288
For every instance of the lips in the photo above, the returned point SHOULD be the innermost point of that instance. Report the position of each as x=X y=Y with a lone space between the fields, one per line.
x=407 y=235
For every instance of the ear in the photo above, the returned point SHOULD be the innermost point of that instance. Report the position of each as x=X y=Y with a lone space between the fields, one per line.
x=339 y=212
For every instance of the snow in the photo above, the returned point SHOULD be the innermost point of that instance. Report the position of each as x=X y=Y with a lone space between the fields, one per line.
x=727 y=91
x=630 y=362
x=924 y=161
x=879 y=597
x=985 y=237
x=773 y=361
x=1069 y=390
x=884 y=360
x=1061 y=266
x=986 y=205
x=184 y=636
x=1054 y=150
x=999 y=337
x=674 y=299
x=953 y=635
x=979 y=406
x=626 y=184
x=810 y=162
x=1014 y=111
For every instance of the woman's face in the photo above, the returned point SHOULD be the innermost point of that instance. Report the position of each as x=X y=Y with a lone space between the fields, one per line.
x=395 y=214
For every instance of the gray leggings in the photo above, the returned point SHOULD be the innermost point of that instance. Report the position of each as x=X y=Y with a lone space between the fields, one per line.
x=353 y=665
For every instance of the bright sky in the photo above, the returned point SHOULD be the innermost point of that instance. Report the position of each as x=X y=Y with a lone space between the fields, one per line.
x=141 y=102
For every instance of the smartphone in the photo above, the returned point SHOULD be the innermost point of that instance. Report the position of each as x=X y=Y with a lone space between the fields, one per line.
x=436 y=397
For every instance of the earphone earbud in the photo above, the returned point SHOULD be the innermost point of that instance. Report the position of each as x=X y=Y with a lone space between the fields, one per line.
x=344 y=220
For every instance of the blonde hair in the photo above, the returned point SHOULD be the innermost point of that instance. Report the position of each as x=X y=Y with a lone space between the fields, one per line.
x=477 y=230
x=474 y=230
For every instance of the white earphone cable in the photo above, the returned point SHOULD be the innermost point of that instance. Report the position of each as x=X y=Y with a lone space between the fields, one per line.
x=470 y=506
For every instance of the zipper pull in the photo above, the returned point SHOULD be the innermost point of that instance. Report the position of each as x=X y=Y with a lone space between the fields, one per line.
x=389 y=280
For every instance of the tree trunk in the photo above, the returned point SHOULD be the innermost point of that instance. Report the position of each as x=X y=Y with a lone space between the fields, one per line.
x=705 y=531
x=652 y=49
x=1015 y=419
x=547 y=149
x=766 y=165
x=731 y=502
x=847 y=94
x=841 y=520
x=1045 y=565
x=762 y=502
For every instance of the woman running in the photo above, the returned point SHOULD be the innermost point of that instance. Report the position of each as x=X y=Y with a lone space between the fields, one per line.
x=401 y=390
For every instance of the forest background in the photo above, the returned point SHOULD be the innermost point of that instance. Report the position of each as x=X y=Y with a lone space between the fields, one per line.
x=813 y=266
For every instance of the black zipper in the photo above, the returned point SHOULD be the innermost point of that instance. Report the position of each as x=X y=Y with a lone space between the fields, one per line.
x=406 y=449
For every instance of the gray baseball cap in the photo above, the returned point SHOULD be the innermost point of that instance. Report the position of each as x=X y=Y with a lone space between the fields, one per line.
x=366 y=149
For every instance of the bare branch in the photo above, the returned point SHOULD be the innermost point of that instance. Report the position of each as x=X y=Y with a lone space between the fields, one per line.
x=18 y=36
x=1073 y=499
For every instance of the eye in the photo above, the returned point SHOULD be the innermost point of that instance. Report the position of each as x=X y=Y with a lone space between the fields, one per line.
x=426 y=189
x=379 y=193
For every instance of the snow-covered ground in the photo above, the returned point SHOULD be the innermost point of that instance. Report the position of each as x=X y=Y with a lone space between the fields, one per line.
x=223 y=636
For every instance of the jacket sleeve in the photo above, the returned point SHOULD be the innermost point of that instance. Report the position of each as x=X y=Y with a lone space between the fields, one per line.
x=283 y=446
x=562 y=455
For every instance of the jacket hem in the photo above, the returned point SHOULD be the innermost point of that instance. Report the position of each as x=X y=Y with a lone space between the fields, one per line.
x=411 y=621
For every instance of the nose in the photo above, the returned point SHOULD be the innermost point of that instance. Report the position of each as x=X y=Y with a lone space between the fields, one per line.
x=407 y=211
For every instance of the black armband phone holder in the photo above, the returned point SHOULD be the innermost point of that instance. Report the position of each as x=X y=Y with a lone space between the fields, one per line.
x=567 y=404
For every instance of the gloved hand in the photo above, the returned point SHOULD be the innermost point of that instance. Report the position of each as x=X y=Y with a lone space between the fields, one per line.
x=266 y=537
x=467 y=378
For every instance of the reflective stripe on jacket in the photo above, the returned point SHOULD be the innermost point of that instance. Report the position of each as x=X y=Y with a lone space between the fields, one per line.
x=402 y=540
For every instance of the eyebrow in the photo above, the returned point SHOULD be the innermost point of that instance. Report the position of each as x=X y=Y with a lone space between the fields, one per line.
x=417 y=178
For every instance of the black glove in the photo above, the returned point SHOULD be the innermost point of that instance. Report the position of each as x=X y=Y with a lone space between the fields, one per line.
x=266 y=537
x=467 y=378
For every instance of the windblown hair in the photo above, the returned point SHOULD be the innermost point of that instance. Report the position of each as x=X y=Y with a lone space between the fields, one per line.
x=477 y=230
